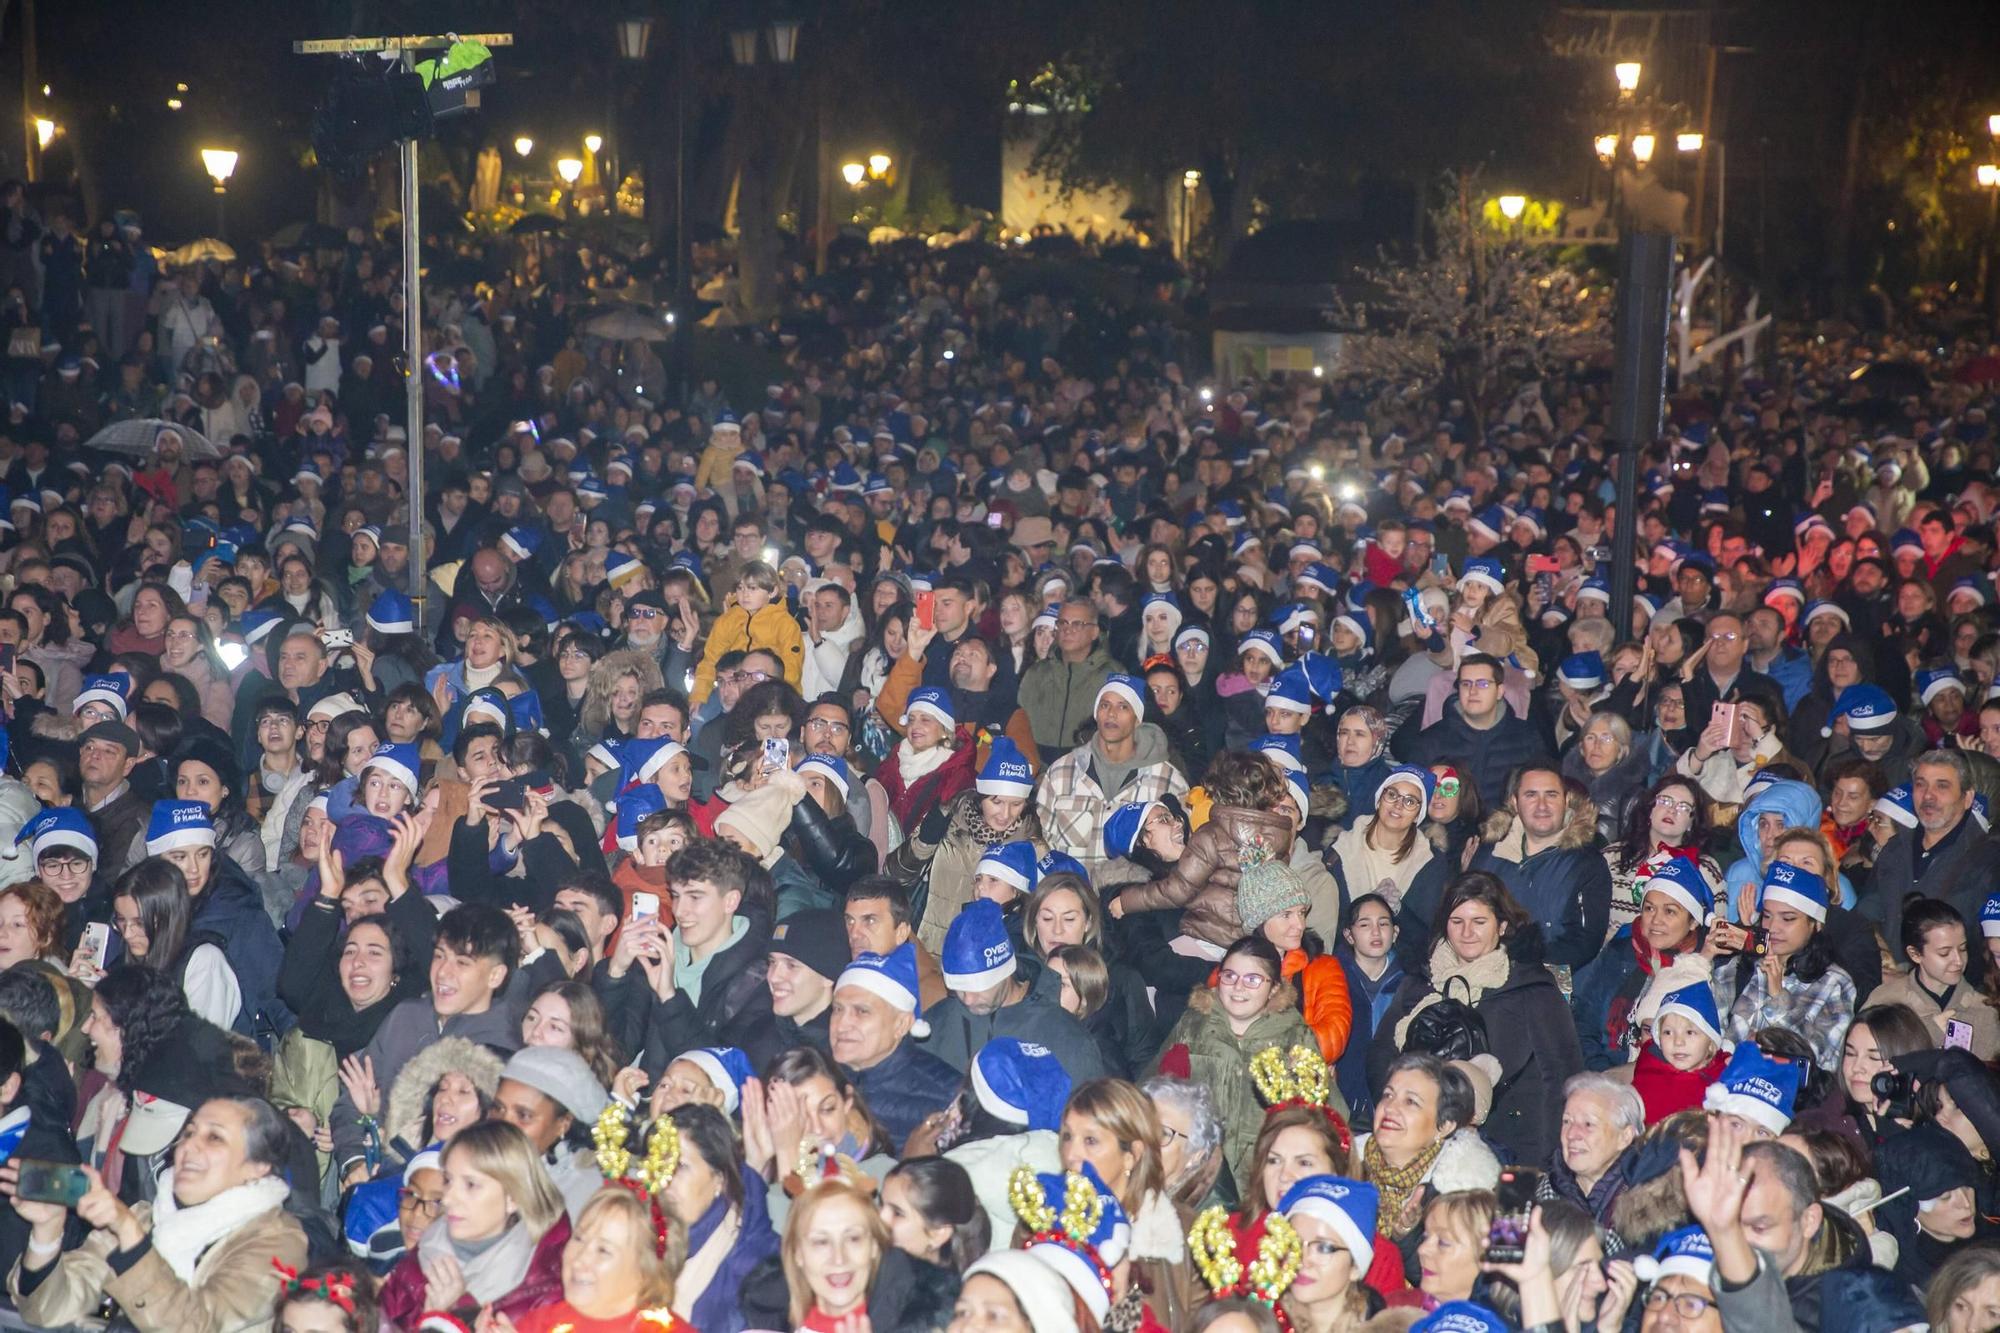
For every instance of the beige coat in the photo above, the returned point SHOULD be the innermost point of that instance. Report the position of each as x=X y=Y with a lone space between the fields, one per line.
x=235 y=1288
x=1967 y=1006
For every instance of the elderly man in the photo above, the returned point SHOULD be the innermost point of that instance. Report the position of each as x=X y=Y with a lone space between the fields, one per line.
x=874 y=1033
x=1058 y=692
x=1602 y=1118
x=1126 y=762
x=1946 y=856
x=1547 y=861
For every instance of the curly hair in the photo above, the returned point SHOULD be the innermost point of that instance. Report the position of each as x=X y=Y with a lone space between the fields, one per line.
x=595 y=714
x=147 y=1008
x=45 y=914
x=1237 y=777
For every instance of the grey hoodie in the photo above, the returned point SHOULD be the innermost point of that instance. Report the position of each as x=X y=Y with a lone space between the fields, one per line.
x=409 y=1028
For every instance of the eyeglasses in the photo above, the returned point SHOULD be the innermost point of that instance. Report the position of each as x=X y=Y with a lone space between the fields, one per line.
x=1400 y=800
x=65 y=865
x=1076 y=624
x=180 y=636
x=1724 y=636
x=412 y=1202
x=746 y=677
x=1170 y=1134
x=1687 y=1306
x=826 y=724
x=1478 y=685
x=1672 y=806
x=646 y=613
x=1229 y=976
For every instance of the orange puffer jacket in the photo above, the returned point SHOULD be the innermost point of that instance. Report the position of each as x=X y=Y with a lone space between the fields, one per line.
x=1323 y=998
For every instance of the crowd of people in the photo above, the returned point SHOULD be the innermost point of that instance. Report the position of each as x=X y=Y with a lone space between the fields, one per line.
x=998 y=833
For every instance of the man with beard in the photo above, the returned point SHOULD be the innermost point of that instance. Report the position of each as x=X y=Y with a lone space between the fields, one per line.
x=980 y=700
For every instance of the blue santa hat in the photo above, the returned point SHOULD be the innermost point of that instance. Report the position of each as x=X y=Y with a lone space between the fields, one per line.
x=1317 y=576
x=524 y=710
x=1006 y=772
x=1265 y=642
x=1866 y=708
x=1167 y=602
x=1010 y=863
x=1794 y=887
x=1756 y=1087
x=1594 y=589
x=1989 y=916
x=1055 y=862
x=891 y=977
x=1682 y=1253
x=1932 y=683
x=633 y=806
x=1582 y=671
x=1021 y=1083
x=1294 y=616
x=1410 y=775
x=179 y=824
x=933 y=702
x=832 y=766
x=1323 y=676
x=1287 y=752
x=1301 y=790
x=621 y=569
x=1897 y=805
x=257 y=624
x=640 y=760
x=977 y=955
x=1189 y=634
x=1290 y=693
x=1461 y=1317
x=399 y=762
x=1131 y=689
x=1363 y=628
x=1123 y=826
x=1695 y=1003
x=521 y=543
x=1784 y=588
x=1350 y=1207
x=486 y=704
x=59 y=826
x=113 y=689
x=1681 y=880
x=1491 y=521
x=1484 y=569
x=726 y=1067
x=1814 y=610
x=1084 y=1262
x=392 y=613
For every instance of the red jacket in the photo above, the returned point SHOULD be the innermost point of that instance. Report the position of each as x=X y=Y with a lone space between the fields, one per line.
x=403 y=1291
x=1665 y=1090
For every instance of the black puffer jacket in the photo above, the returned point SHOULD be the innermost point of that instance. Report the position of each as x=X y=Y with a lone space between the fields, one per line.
x=830 y=846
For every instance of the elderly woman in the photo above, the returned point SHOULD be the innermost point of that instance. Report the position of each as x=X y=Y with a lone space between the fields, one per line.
x=1612 y=769
x=1191 y=1149
x=1423 y=1143
x=202 y=1255
x=616 y=1272
x=1360 y=748
x=1601 y=1119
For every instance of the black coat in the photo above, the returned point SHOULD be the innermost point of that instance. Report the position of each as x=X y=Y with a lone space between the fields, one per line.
x=1489 y=757
x=735 y=1008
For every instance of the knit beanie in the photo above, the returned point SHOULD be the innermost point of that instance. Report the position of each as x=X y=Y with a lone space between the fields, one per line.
x=1266 y=888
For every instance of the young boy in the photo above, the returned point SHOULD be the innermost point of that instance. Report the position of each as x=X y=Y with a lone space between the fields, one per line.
x=476 y=951
x=758 y=619
x=1685 y=1056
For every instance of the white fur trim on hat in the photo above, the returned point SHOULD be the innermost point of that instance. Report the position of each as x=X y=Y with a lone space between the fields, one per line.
x=717 y=1075
x=1724 y=1102
x=1123 y=691
x=1363 y=1247
x=1777 y=893
x=874 y=982
x=174 y=839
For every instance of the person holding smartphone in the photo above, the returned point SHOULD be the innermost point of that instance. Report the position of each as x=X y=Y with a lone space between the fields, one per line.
x=1935 y=944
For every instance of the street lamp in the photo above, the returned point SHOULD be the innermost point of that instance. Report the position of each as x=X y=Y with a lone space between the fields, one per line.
x=878 y=165
x=1993 y=125
x=220 y=163
x=1627 y=73
x=1512 y=206
x=743 y=46
x=524 y=145
x=1987 y=174
x=853 y=173
x=784 y=40
x=634 y=35
x=1607 y=148
x=45 y=131
x=593 y=143
x=1642 y=148
x=1688 y=142
x=569 y=169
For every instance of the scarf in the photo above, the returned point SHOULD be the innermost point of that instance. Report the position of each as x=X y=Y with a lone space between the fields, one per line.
x=490 y=1271
x=1396 y=1184
x=1371 y=870
x=1667 y=850
x=701 y=1266
x=1665 y=1090
x=1488 y=972
x=183 y=1235
x=915 y=765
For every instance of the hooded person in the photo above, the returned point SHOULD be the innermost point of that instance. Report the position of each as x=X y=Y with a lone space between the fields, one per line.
x=1930 y=1198
x=1798 y=805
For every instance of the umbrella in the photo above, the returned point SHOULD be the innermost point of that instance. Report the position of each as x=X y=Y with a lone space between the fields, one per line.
x=140 y=437
x=529 y=224
x=625 y=324
x=194 y=252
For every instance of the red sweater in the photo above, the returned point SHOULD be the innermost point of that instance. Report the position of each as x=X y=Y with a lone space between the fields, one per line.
x=1666 y=1090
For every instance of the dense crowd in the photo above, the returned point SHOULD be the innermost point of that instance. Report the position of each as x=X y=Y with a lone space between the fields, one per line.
x=995 y=833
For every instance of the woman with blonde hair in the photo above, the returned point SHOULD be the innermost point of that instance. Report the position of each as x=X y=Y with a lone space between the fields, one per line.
x=500 y=1239
x=618 y=681
x=617 y=1270
x=838 y=1263
x=1114 y=1127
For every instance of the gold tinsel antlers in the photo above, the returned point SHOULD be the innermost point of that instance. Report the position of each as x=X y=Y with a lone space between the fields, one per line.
x=1212 y=1244
x=1082 y=1208
x=611 y=1136
x=1297 y=1077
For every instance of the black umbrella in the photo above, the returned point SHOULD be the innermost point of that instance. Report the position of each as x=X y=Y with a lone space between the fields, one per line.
x=533 y=224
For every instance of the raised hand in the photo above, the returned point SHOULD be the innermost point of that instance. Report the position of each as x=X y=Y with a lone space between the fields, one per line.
x=357 y=1075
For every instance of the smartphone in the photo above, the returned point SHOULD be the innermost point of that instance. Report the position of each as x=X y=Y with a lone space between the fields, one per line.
x=1754 y=942
x=12 y=1129
x=198 y=597
x=6 y=659
x=51 y=1182
x=1957 y=1035
x=777 y=754
x=508 y=794
x=97 y=940
x=1441 y=566
x=337 y=638
x=996 y=520
x=1507 y=1236
x=645 y=905
x=1726 y=715
x=1542 y=564
x=925 y=602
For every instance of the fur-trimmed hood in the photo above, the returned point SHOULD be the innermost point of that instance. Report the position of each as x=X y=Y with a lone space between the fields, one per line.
x=1284 y=1001
x=1503 y=834
x=420 y=1074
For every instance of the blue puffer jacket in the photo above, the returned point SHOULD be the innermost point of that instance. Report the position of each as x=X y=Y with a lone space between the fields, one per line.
x=906 y=1087
x=233 y=909
x=1793 y=670
x=1800 y=806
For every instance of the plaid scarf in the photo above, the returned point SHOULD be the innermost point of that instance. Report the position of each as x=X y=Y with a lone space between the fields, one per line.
x=1395 y=1184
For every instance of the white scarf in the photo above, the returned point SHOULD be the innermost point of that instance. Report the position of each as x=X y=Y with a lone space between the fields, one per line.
x=183 y=1235
x=915 y=765
x=1370 y=870
x=478 y=678
x=701 y=1266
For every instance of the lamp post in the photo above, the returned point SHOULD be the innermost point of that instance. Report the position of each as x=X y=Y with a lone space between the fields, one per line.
x=1987 y=177
x=635 y=38
x=523 y=145
x=1190 y=182
x=569 y=168
x=878 y=166
x=220 y=163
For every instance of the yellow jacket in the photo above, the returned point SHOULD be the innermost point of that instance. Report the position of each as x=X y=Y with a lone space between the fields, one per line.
x=736 y=630
x=712 y=472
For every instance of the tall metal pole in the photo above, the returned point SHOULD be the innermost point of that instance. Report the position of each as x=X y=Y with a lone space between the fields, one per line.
x=413 y=384
x=1638 y=386
x=683 y=251
x=31 y=152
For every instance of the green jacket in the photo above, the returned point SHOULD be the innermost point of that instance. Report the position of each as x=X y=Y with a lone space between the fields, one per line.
x=1219 y=1058
x=306 y=1074
x=1059 y=697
